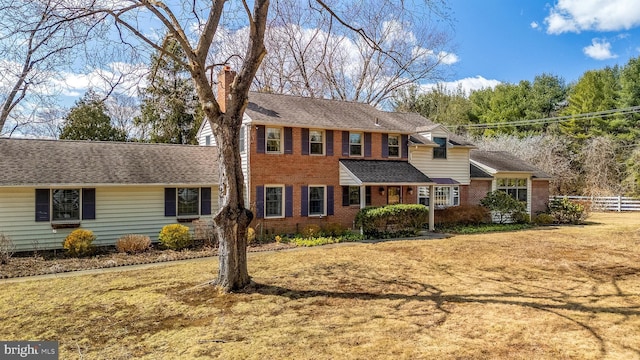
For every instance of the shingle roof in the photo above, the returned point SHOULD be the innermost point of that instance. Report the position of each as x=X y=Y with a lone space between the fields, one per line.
x=385 y=171
x=502 y=161
x=57 y=162
x=287 y=110
x=477 y=173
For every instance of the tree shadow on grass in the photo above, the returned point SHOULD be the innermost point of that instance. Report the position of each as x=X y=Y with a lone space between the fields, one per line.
x=556 y=304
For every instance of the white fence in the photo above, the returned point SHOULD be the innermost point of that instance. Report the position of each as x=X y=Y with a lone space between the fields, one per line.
x=607 y=203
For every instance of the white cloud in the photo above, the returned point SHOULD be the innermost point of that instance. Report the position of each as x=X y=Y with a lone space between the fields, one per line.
x=599 y=15
x=599 y=50
x=467 y=84
x=534 y=25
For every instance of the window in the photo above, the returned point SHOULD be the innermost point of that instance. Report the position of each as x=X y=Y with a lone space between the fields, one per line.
x=355 y=144
x=66 y=204
x=273 y=201
x=393 y=195
x=441 y=151
x=188 y=202
x=517 y=188
x=316 y=201
x=241 y=142
x=274 y=144
x=394 y=145
x=207 y=140
x=444 y=196
x=316 y=142
x=354 y=195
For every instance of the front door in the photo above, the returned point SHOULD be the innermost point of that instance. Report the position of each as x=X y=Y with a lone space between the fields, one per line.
x=394 y=195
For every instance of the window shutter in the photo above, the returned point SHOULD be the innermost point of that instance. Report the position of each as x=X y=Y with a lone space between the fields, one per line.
x=259 y=202
x=260 y=139
x=170 y=202
x=405 y=146
x=304 y=205
x=288 y=140
x=205 y=201
x=367 y=196
x=385 y=145
x=288 y=201
x=88 y=204
x=42 y=204
x=345 y=196
x=345 y=143
x=367 y=144
x=329 y=145
x=330 y=200
x=305 y=141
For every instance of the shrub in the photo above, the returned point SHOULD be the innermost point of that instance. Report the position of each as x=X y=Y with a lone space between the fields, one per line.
x=462 y=215
x=544 y=219
x=203 y=231
x=505 y=207
x=133 y=243
x=311 y=231
x=392 y=220
x=334 y=229
x=251 y=235
x=79 y=242
x=6 y=248
x=175 y=236
x=564 y=211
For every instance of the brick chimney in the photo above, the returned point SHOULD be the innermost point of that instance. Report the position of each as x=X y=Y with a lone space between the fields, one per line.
x=225 y=78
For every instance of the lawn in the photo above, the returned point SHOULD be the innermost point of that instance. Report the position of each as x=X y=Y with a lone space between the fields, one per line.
x=546 y=293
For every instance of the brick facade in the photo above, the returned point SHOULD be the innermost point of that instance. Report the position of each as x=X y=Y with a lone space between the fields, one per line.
x=478 y=189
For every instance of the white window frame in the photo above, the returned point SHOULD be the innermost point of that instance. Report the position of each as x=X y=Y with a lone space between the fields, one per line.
x=207 y=140
x=352 y=190
x=361 y=144
x=518 y=185
x=444 y=146
x=324 y=200
x=423 y=193
x=397 y=145
x=242 y=139
x=322 y=141
x=279 y=140
x=198 y=197
x=52 y=206
x=445 y=196
x=282 y=203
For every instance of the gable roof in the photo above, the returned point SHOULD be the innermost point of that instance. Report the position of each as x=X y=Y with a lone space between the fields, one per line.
x=502 y=161
x=31 y=162
x=288 y=110
x=385 y=172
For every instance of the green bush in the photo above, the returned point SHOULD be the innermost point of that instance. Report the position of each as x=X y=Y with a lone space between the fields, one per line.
x=133 y=243
x=505 y=207
x=79 y=243
x=565 y=211
x=544 y=219
x=175 y=236
x=392 y=220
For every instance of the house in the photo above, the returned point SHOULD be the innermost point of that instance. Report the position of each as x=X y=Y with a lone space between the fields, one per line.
x=305 y=161
x=317 y=161
x=50 y=187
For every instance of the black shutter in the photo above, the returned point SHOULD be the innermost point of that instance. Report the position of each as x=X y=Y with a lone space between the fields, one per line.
x=329 y=134
x=367 y=196
x=42 y=204
x=88 y=204
x=305 y=141
x=345 y=143
x=304 y=205
x=170 y=202
x=405 y=147
x=205 y=201
x=259 y=202
x=288 y=140
x=330 y=200
x=385 y=145
x=345 y=196
x=367 y=144
x=288 y=201
x=260 y=139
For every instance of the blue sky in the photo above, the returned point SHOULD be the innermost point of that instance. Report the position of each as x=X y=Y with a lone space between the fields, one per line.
x=511 y=40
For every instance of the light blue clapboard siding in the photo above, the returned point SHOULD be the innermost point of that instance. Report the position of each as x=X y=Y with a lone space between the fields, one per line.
x=119 y=211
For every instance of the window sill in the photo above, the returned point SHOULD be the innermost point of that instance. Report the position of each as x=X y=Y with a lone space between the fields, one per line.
x=69 y=224
x=187 y=219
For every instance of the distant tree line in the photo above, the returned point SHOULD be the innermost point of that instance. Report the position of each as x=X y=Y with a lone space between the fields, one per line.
x=544 y=122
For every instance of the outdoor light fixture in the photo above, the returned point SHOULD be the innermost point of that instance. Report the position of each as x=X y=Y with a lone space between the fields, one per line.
x=381 y=190
x=410 y=190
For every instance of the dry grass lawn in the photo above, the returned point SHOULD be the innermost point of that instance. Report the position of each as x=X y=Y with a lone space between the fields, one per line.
x=551 y=293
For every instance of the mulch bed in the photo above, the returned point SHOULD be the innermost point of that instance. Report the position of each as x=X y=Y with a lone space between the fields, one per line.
x=29 y=264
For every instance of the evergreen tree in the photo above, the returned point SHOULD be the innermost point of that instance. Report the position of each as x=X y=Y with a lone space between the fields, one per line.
x=170 y=109
x=88 y=120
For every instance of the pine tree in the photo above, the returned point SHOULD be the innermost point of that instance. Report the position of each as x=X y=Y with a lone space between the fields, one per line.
x=88 y=120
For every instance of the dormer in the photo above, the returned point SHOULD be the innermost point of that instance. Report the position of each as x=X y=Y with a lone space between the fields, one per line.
x=438 y=137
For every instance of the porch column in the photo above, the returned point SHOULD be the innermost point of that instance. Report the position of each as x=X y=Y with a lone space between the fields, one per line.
x=432 y=206
x=363 y=201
